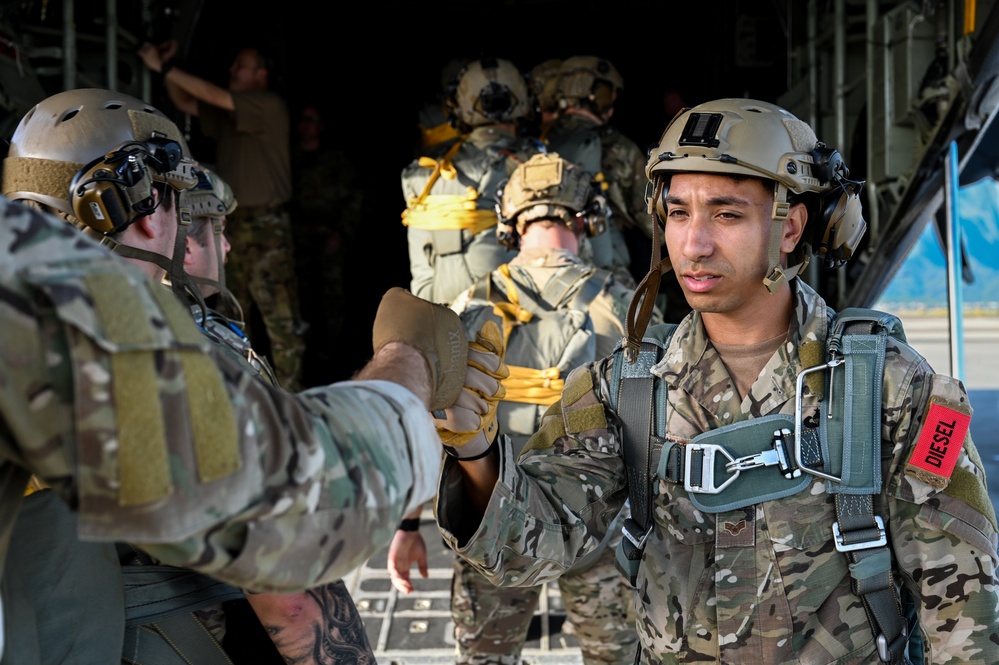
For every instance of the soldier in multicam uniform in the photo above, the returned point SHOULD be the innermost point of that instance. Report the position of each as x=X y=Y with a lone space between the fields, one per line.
x=150 y=433
x=743 y=189
x=336 y=623
x=450 y=192
x=557 y=313
x=211 y=201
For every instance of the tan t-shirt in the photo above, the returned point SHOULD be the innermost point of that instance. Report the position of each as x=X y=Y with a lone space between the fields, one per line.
x=252 y=151
x=745 y=363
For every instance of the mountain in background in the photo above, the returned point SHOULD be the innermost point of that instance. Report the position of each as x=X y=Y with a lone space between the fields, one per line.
x=921 y=281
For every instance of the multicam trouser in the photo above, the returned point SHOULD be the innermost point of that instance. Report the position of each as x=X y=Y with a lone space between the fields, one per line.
x=260 y=271
x=491 y=623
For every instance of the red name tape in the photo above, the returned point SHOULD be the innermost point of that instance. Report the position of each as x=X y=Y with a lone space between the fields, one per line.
x=940 y=440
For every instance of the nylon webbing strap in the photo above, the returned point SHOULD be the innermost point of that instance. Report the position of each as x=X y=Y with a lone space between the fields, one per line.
x=635 y=404
x=172 y=641
x=558 y=287
x=153 y=593
x=858 y=532
x=635 y=407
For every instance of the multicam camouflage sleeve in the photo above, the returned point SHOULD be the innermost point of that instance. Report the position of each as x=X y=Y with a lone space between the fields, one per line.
x=531 y=534
x=943 y=524
x=113 y=397
x=553 y=504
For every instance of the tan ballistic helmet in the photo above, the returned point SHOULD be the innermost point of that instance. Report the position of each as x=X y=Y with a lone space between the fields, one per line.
x=549 y=187
x=211 y=197
x=589 y=82
x=543 y=83
x=93 y=155
x=490 y=90
x=753 y=138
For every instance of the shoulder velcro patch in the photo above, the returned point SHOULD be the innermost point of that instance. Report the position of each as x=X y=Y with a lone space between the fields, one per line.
x=940 y=441
x=581 y=410
x=552 y=428
x=578 y=383
x=577 y=411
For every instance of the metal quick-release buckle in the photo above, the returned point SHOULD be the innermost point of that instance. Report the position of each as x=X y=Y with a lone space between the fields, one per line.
x=777 y=455
x=699 y=464
x=843 y=546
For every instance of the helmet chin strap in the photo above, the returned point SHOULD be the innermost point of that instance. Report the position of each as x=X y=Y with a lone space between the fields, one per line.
x=640 y=309
x=778 y=274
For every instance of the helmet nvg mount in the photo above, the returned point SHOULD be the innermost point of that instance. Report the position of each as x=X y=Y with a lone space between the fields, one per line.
x=548 y=187
x=490 y=90
x=93 y=155
x=753 y=138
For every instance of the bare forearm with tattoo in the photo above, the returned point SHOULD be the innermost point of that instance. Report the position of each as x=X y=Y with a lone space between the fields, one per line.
x=320 y=626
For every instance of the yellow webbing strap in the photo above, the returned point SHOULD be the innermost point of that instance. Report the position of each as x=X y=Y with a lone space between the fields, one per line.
x=446 y=212
x=441 y=167
x=432 y=136
x=511 y=312
x=525 y=384
x=533 y=386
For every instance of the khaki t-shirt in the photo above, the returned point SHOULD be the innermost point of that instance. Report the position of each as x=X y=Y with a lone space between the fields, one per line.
x=252 y=146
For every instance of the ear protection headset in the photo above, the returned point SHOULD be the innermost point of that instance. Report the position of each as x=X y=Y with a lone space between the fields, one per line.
x=841 y=222
x=595 y=215
x=113 y=191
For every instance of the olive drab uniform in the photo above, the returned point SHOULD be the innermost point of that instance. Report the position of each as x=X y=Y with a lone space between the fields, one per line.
x=450 y=214
x=557 y=313
x=156 y=436
x=764 y=579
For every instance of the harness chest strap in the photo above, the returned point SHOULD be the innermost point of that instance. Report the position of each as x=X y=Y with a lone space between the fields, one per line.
x=849 y=427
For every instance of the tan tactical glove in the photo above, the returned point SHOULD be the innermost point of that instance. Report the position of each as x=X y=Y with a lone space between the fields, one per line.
x=469 y=427
x=433 y=329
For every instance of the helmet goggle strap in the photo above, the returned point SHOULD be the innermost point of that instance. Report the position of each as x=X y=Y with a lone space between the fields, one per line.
x=778 y=274
x=644 y=300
